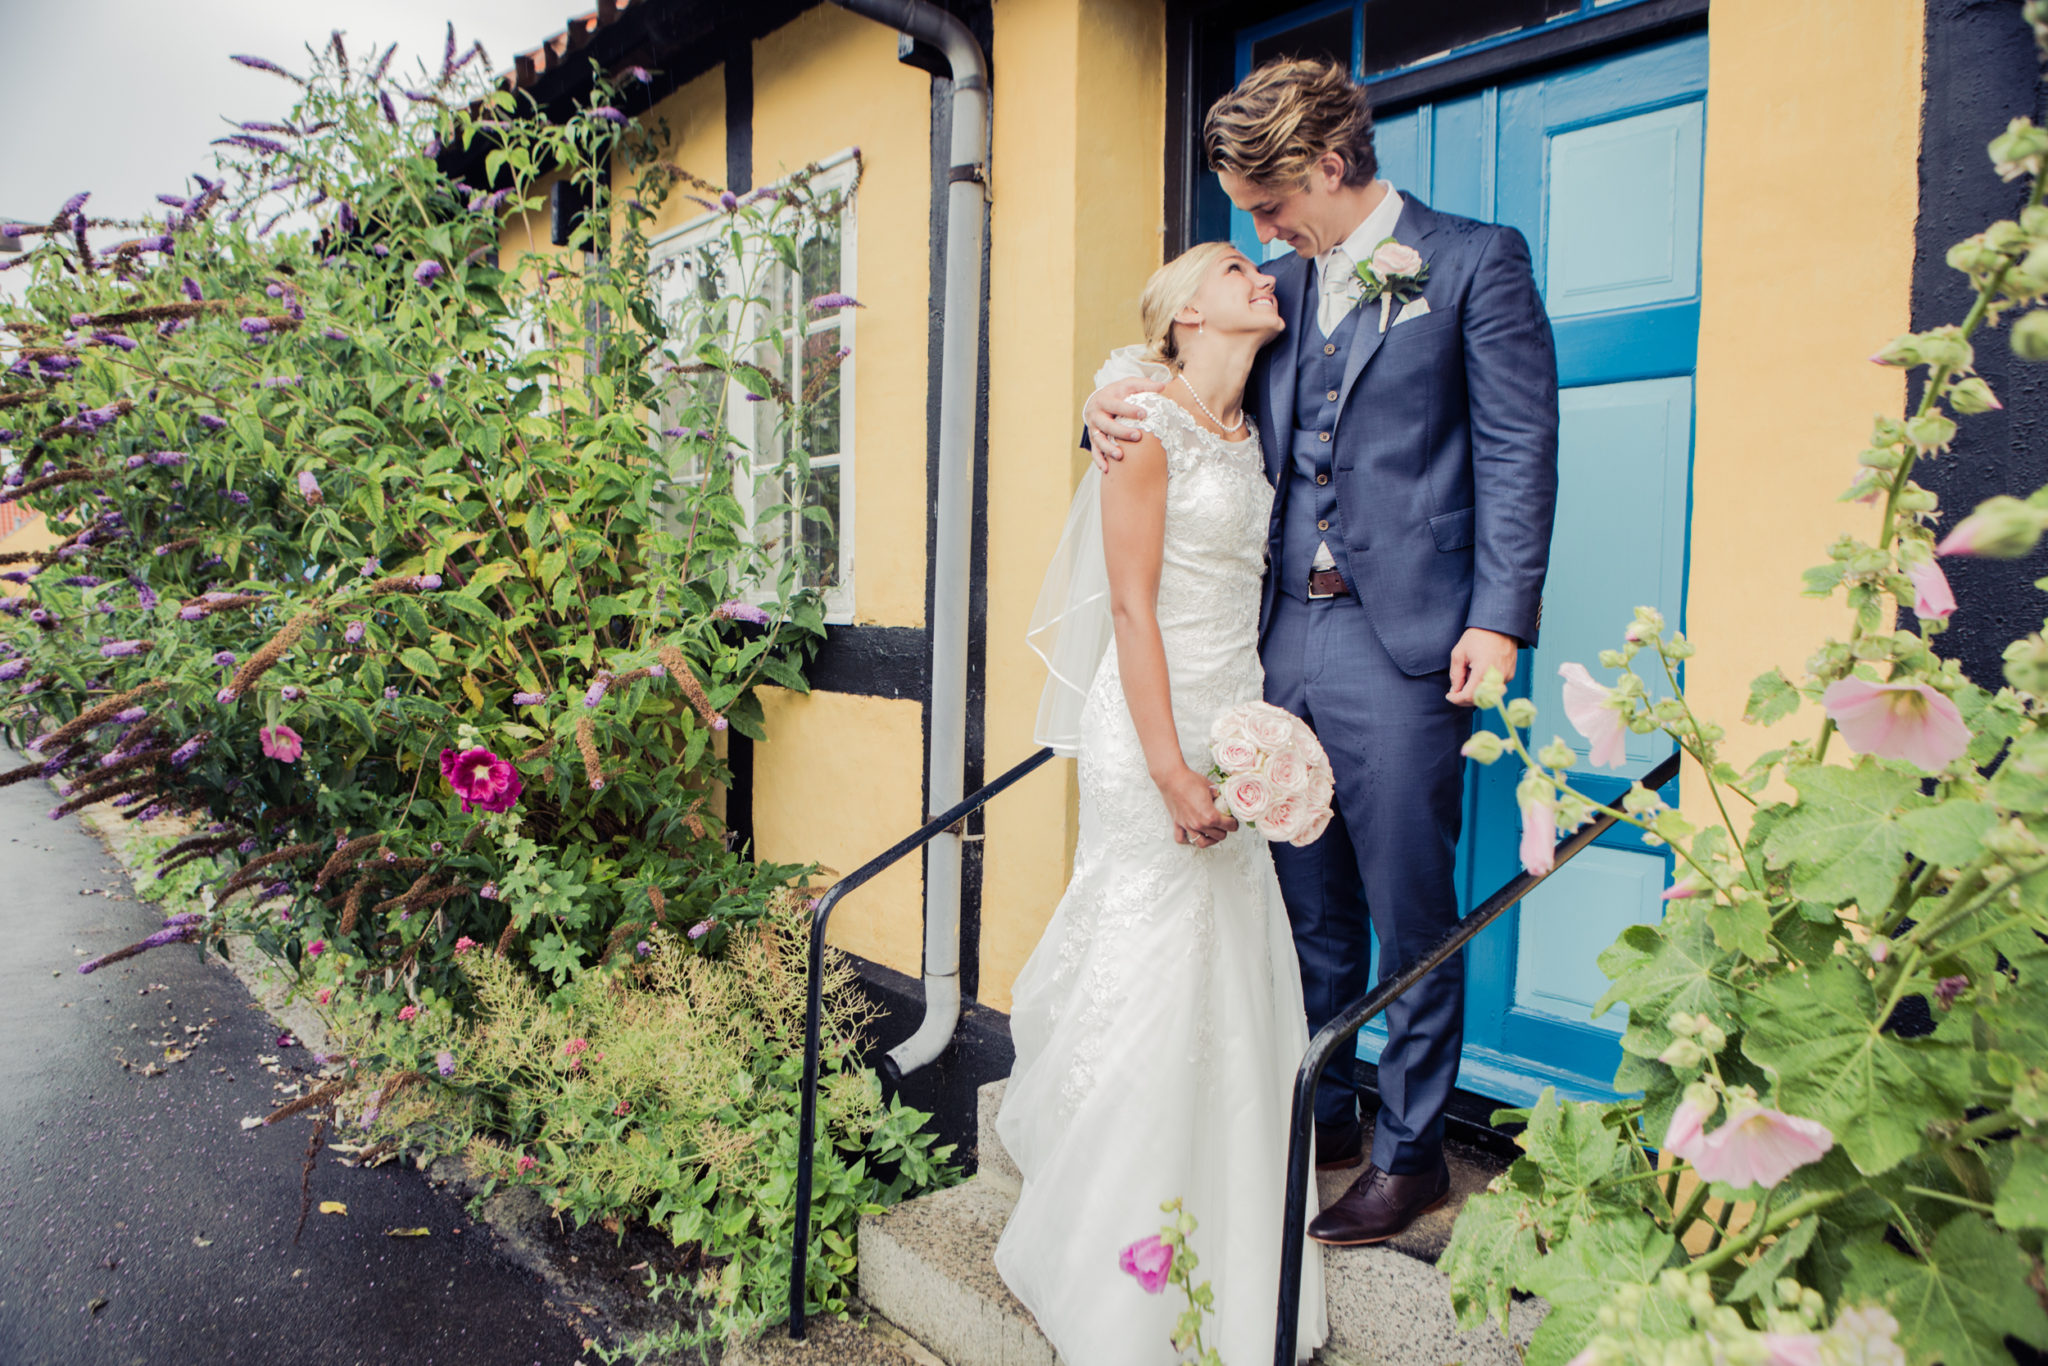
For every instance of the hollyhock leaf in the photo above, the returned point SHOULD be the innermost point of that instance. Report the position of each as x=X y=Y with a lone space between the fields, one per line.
x=1743 y=927
x=2023 y=1195
x=1956 y=1305
x=1776 y=1260
x=1583 y=1273
x=1493 y=1246
x=1951 y=833
x=1569 y=1141
x=1843 y=841
x=1771 y=698
x=1662 y=970
x=1820 y=1033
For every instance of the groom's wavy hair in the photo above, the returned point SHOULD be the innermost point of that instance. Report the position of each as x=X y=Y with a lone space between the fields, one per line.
x=1284 y=118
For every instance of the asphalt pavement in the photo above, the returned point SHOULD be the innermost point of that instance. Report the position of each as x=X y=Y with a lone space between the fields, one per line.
x=140 y=1224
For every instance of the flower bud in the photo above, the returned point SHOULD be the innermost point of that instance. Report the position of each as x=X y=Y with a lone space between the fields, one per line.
x=1484 y=747
x=2029 y=339
x=1521 y=713
x=1972 y=395
x=1683 y=1054
x=1972 y=256
x=1931 y=432
x=2019 y=150
x=2002 y=528
x=1902 y=350
x=1712 y=1037
x=1556 y=754
x=2013 y=840
x=1492 y=687
x=1684 y=1023
x=2026 y=665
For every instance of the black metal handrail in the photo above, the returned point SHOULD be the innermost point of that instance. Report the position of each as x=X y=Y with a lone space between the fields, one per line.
x=814 y=1009
x=1339 y=1031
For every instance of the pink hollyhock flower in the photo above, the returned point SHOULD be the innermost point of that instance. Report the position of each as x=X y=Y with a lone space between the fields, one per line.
x=324 y=995
x=407 y=1012
x=1760 y=1147
x=1932 y=597
x=1792 y=1349
x=464 y=944
x=316 y=948
x=1909 y=721
x=1150 y=1261
x=1539 y=836
x=1585 y=707
x=281 y=743
x=1682 y=1140
x=481 y=778
x=526 y=1164
x=1867 y=1336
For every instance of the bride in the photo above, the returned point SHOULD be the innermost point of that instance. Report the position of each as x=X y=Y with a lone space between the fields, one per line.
x=1159 y=1022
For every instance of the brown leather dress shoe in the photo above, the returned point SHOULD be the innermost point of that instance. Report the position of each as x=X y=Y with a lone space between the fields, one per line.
x=1380 y=1205
x=1339 y=1147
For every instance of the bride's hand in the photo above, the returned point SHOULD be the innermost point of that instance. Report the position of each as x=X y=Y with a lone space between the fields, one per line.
x=1113 y=418
x=1191 y=801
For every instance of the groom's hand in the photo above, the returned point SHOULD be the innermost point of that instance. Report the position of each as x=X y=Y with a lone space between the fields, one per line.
x=1477 y=651
x=1112 y=417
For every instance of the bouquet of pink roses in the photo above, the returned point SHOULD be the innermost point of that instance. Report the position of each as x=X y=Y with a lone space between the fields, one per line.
x=1273 y=772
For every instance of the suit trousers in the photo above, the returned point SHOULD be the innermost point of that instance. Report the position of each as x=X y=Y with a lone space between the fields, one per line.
x=1387 y=859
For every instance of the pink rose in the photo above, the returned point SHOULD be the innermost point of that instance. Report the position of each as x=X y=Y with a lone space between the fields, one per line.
x=1288 y=772
x=1228 y=725
x=281 y=743
x=1268 y=727
x=1322 y=785
x=1286 y=818
x=1391 y=258
x=1149 y=1260
x=1248 y=795
x=1315 y=829
x=1235 y=754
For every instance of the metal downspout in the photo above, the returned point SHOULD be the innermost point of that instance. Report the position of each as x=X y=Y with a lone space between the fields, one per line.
x=952 y=505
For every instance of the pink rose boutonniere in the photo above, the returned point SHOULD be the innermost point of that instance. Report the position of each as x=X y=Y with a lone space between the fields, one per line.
x=1395 y=275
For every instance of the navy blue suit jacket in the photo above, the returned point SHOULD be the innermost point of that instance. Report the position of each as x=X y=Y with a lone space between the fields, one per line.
x=1444 y=456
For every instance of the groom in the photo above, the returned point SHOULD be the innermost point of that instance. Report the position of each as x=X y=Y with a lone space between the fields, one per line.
x=1411 y=436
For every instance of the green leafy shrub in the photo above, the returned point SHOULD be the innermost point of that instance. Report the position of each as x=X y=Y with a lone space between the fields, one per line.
x=1872 y=1193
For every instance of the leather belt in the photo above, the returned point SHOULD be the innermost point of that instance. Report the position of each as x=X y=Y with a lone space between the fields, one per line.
x=1326 y=583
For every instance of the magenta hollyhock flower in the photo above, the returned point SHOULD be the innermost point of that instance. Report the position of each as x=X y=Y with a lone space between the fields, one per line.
x=1539 y=836
x=427 y=272
x=1908 y=721
x=1585 y=707
x=1759 y=1146
x=481 y=779
x=525 y=1164
x=463 y=944
x=281 y=743
x=1932 y=597
x=1149 y=1261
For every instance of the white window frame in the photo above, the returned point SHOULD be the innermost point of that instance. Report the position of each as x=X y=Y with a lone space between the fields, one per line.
x=839 y=172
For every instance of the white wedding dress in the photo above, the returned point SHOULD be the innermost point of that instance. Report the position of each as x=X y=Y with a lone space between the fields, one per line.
x=1159 y=1023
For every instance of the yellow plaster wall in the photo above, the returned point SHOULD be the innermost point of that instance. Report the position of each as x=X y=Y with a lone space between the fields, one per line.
x=1806 y=261
x=694 y=115
x=839 y=780
x=826 y=81
x=1080 y=98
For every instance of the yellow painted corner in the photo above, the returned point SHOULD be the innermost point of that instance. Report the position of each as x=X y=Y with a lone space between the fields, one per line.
x=838 y=780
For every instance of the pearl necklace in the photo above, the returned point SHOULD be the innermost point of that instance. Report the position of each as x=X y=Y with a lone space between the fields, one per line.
x=1226 y=426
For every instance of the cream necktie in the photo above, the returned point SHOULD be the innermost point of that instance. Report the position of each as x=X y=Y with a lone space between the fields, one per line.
x=1339 y=292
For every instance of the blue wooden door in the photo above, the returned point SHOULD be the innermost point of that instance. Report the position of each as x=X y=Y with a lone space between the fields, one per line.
x=1599 y=165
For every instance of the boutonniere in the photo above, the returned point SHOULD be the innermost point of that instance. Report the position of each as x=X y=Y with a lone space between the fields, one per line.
x=1394 y=275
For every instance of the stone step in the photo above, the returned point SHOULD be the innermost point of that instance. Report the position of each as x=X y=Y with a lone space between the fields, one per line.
x=928 y=1266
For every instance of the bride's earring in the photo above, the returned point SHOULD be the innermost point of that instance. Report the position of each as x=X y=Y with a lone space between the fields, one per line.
x=1198 y=327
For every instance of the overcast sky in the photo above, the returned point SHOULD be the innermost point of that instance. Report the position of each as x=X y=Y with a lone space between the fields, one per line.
x=122 y=97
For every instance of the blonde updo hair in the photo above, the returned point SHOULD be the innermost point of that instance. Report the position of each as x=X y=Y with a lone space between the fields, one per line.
x=1284 y=118
x=1168 y=292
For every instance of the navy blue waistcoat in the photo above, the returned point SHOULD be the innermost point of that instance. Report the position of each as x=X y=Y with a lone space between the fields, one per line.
x=1309 y=508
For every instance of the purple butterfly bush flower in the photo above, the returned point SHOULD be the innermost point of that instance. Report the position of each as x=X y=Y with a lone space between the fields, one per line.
x=736 y=610
x=489 y=891
x=427 y=583
x=427 y=272
x=13 y=669
x=390 y=109
x=122 y=649
x=291 y=692
x=237 y=497
x=84 y=581
x=595 y=693
x=354 y=634
x=212 y=423
x=169 y=934
x=345 y=219
x=250 y=142
x=333 y=334
x=445 y=1064
x=309 y=487
x=160 y=242
x=829 y=303
x=611 y=114
x=282 y=382
x=260 y=64
x=145 y=596
x=528 y=699
x=12 y=606
x=115 y=339
x=224 y=658
x=136 y=462
x=192 y=290
x=128 y=716
x=168 y=457
x=185 y=753
x=74 y=204
x=390 y=694
x=728 y=201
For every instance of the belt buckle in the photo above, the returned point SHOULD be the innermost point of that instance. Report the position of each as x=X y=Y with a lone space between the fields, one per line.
x=1314 y=596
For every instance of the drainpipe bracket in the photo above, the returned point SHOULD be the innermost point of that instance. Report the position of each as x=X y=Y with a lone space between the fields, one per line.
x=976 y=173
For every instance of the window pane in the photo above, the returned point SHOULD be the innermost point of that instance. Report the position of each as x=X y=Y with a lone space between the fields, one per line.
x=820 y=256
x=821 y=392
x=1328 y=37
x=821 y=538
x=1400 y=32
